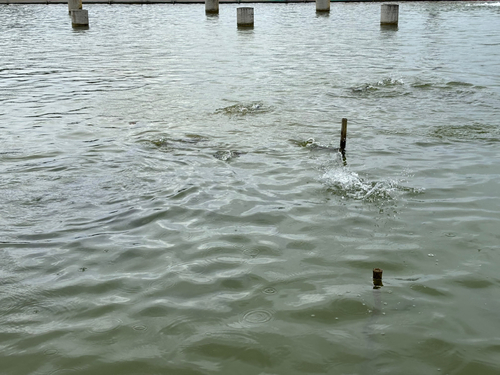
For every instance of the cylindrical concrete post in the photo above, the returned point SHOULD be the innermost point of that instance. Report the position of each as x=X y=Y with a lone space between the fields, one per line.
x=322 y=5
x=74 y=5
x=389 y=14
x=80 y=18
x=212 y=6
x=244 y=16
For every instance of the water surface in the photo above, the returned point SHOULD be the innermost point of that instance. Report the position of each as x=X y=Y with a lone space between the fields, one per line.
x=173 y=202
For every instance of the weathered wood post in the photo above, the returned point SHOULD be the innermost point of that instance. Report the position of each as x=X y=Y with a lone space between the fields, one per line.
x=343 y=135
x=389 y=14
x=74 y=5
x=322 y=5
x=80 y=18
x=212 y=6
x=377 y=278
x=244 y=17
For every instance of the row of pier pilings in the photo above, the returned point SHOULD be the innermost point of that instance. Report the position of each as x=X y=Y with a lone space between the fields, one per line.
x=244 y=16
x=389 y=14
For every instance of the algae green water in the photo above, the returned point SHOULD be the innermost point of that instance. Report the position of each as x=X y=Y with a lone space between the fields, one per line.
x=172 y=200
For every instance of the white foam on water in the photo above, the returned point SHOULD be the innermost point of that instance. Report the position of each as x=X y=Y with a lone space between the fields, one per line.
x=484 y=5
x=348 y=184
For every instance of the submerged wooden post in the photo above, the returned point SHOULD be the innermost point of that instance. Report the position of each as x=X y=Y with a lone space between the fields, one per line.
x=244 y=16
x=377 y=278
x=80 y=18
x=389 y=14
x=322 y=5
x=343 y=135
x=212 y=6
x=74 y=5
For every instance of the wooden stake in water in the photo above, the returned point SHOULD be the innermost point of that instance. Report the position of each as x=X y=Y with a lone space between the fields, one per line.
x=343 y=135
x=377 y=278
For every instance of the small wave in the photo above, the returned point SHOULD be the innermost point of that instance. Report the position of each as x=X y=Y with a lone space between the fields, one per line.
x=159 y=142
x=227 y=155
x=385 y=87
x=459 y=83
x=302 y=143
x=471 y=132
x=242 y=109
x=363 y=88
x=179 y=324
x=312 y=145
x=193 y=138
x=167 y=143
x=452 y=88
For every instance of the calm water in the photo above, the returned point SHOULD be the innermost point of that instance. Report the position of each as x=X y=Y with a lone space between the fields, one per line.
x=172 y=201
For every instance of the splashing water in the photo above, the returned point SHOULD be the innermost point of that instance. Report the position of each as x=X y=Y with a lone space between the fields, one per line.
x=386 y=83
x=348 y=184
x=242 y=109
x=227 y=155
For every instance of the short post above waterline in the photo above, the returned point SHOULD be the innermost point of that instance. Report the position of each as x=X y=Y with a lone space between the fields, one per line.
x=244 y=17
x=322 y=5
x=212 y=6
x=377 y=278
x=74 y=5
x=343 y=135
x=80 y=18
x=389 y=14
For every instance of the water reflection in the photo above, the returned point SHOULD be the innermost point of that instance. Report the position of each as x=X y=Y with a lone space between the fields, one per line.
x=387 y=29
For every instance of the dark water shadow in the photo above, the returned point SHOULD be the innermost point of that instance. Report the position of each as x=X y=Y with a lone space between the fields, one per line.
x=322 y=13
x=80 y=29
x=388 y=28
x=212 y=16
x=245 y=29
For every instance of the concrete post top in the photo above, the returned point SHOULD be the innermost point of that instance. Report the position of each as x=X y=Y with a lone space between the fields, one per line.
x=244 y=16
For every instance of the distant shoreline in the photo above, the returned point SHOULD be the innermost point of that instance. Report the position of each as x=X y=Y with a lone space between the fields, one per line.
x=7 y=2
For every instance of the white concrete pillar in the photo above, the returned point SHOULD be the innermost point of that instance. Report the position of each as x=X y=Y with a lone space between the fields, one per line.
x=74 y=4
x=244 y=16
x=389 y=14
x=80 y=18
x=212 y=6
x=322 y=5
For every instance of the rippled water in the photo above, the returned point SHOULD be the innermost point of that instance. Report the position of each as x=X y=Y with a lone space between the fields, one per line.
x=173 y=202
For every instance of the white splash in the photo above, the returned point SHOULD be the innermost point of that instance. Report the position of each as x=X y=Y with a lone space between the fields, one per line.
x=349 y=184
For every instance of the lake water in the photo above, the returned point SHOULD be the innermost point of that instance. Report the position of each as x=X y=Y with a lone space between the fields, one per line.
x=173 y=202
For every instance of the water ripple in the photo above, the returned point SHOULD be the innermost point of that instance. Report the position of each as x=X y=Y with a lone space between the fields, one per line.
x=173 y=199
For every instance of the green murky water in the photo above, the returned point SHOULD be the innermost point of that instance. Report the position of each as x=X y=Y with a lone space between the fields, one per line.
x=173 y=202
